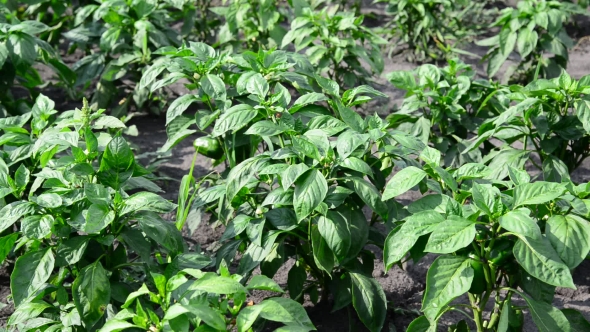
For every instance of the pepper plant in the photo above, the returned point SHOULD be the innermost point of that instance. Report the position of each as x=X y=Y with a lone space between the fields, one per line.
x=78 y=240
x=446 y=106
x=302 y=195
x=126 y=33
x=534 y=29
x=551 y=118
x=85 y=251
x=336 y=43
x=20 y=50
x=251 y=25
x=433 y=29
x=497 y=240
x=224 y=86
x=193 y=298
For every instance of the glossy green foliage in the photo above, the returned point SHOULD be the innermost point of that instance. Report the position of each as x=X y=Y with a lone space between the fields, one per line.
x=65 y=203
x=434 y=30
x=251 y=24
x=534 y=28
x=83 y=245
x=234 y=92
x=302 y=193
x=315 y=183
x=192 y=298
x=21 y=49
x=497 y=239
x=336 y=43
x=550 y=117
x=445 y=107
x=54 y=13
x=119 y=38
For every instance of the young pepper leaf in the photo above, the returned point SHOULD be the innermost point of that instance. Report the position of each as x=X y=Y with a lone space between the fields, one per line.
x=262 y=282
x=117 y=163
x=286 y=311
x=403 y=181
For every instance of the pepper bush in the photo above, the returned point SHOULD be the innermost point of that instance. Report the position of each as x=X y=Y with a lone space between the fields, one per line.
x=497 y=239
x=301 y=190
x=86 y=250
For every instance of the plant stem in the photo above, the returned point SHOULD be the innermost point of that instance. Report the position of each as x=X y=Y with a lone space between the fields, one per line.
x=318 y=274
x=454 y=307
x=476 y=313
x=350 y=326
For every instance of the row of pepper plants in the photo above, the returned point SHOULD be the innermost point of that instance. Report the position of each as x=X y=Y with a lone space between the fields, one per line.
x=116 y=40
x=310 y=184
x=307 y=180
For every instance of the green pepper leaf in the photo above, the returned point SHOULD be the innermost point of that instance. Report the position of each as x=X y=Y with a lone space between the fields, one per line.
x=161 y=231
x=117 y=163
x=214 y=87
x=178 y=107
x=519 y=222
x=146 y=201
x=92 y=293
x=570 y=237
x=537 y=193
x=547 y=317
x=577 y=321
x=403 y=181
x=451 y=235
x=234 y=119
x=310 y=190
x=322 y=254
x=31 y=272
x=369 y=301
x=447 y=278
x=541 y=261
x=286 y=311
x=334 y=229
x=6 y=245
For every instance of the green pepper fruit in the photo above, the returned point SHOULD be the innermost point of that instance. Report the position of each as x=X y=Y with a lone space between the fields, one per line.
x=479 y=284
x=482 y=233
x=517 y=321
x=501 y=252
x=208 y=147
